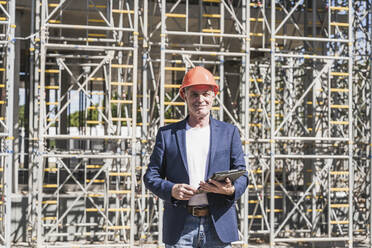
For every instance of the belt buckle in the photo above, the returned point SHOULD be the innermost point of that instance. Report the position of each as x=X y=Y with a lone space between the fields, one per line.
x=193 y=211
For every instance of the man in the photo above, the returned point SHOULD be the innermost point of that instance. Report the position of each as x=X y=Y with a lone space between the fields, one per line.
x=197 y=212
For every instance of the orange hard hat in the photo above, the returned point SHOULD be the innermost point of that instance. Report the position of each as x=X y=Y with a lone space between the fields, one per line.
x=198 y=76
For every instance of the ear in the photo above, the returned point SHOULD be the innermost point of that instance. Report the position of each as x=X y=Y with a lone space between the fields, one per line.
x=182 y=94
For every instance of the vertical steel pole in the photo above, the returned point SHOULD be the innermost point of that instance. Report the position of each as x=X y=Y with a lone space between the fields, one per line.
x=221 y=58
x=162 y=81
x=272 y=129
x=145 y=112
x=350 y=131
x=41 y=125
x=9 y=159
x=134 y=124
x=246 y=64
x=369 y=29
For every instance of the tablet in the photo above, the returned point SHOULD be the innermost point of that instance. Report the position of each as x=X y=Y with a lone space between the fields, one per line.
x=231 y=174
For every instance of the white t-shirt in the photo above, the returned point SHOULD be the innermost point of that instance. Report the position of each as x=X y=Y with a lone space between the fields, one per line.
x=197 y=150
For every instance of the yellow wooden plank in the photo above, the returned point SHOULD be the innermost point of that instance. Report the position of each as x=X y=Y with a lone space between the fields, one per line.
x=339 y=205
x=50 y=186
x=211 y=30
x=121 y=83
x=121 y=174
x=339 y=106
x=255 y=110
x=259 y=80
x=256 y=19
x=340 y=74
x=256 y=34
x=122 y=11
x=51 y=87
x=93 y=122
x=251 y=186
x=174 y=103
x=121 y=66
x=255 y=216
x=339 y=90
x=121 y=101
x=49 y=218
x=275 y=210
x=96 y=195
x=339 y=122
x=339 y=173
x=95 y=180
x=172 y=86
x=339 y=8
x=175 y=15
x=50 y=202
x=51 y=169
x=212 y=15
x=316 y=210
x=94 y=166
x=54 y=21
x=339 y=24
x=121 y=119
x=172 y=120
x=95 y=108
x=97 y=6
x=96 y=35
x=96 y=20
x=344 y=189
x=97 y=79
x=341 y=222
x=175 y=68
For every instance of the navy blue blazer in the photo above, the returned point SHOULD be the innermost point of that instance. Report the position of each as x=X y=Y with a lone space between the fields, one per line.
x=168 y=166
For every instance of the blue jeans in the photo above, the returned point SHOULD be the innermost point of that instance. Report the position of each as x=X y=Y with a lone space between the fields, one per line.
x=199 y=232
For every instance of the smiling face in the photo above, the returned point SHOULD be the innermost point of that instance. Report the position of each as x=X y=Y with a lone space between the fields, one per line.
x=199 y=100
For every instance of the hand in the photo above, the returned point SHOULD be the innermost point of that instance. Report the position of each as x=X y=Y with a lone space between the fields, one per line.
x=212 y=186
x=183 y=191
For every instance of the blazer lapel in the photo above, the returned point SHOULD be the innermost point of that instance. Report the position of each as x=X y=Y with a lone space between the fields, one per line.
x=181 y=141
x=212 y=148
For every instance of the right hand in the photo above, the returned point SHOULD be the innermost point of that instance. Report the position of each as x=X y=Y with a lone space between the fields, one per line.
x=183 y=191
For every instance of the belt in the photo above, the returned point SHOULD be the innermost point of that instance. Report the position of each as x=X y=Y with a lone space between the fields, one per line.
x=198 y=210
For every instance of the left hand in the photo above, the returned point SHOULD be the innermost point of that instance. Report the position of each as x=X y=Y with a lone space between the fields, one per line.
x=212 y=186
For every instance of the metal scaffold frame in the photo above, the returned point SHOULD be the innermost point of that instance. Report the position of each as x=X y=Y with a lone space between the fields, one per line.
x=7 y=47
x=97 y=186
x=295 y=77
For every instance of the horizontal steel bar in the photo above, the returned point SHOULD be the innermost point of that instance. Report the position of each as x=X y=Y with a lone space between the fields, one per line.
x=204 y=52
x=325 y=239
x=308 y=56
x=311 y=156
x=310 y=39
x=85 y=137
x=86 y=48
x=206 y=34
x=311 y=138
x=103 y=156
x=87 y=27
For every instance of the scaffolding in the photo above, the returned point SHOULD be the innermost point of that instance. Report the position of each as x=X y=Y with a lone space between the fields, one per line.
x=295 y=78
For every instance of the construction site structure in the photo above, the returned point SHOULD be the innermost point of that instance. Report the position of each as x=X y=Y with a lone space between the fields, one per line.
x=86 y=84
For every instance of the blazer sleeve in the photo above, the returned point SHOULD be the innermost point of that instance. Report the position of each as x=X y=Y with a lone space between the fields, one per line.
x=154 y=177
x=238 y=162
